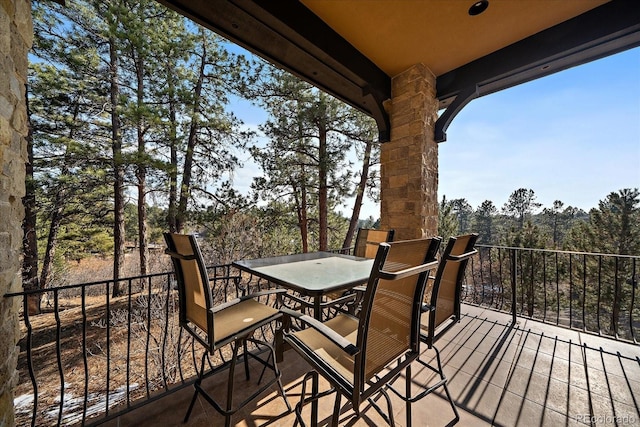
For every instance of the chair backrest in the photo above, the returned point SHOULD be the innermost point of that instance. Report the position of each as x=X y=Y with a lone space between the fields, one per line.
x=194 y=292
x=390 y=314
x=368 y=239
x=447 y=285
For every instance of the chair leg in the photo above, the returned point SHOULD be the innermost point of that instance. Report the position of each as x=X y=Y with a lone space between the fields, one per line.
x=227 y=410
x=336 y=410
x=278 y=374
x=196 y=386
x=408 y=391
x=246 y=359
x=392 y=422
x=274 y=367
x=303 y=393
x=264 y=368
x=230 y=383
x=315 y=395
x=446 y=389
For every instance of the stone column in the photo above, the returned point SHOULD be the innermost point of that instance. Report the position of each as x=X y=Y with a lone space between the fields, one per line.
x=409 y=162
x=16 y=35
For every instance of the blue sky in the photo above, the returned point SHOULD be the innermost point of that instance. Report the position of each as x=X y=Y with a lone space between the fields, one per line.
x=573 y=136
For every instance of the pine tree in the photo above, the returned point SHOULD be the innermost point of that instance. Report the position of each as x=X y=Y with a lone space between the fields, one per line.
x=483 y=222
x=305 y=159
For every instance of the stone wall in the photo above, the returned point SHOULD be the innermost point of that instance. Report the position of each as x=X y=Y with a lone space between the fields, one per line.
x=409 y=162
x=16 y=35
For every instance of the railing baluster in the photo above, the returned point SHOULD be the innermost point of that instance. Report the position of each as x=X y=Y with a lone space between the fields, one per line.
x=482 y=283
x=501 y=278
x=519 y=253
x=532 y=293
x=108 y=295
x=634 y=284
x=570 y=291
x=514 y=271
x=128 y=373
x=544 y=284
x=85 y=361
x=32 y=376
x=557 y=291
x=599 y=293
x=584 y=292
x=616 y=300
x=180 y=350
x=491 y=277
x=59 y=353
x=165 y=338
x=146 y=353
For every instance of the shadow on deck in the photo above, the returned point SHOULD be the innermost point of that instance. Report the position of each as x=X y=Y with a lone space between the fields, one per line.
x=528 y=374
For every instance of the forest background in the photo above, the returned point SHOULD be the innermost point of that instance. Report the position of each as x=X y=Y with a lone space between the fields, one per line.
x=132 y=135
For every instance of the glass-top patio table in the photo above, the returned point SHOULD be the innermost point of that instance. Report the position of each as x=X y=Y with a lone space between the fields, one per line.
x=312 y=274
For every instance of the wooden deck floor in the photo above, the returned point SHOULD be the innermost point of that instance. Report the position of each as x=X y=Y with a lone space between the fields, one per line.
x=527 y=374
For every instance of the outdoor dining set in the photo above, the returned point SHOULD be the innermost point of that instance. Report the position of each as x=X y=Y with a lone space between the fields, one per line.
x=357 y=316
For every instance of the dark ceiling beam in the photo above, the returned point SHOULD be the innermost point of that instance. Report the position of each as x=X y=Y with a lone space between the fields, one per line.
x=603 y=31
x=287 y=34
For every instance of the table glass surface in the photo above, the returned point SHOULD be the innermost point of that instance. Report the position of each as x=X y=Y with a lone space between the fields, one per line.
x=312 y=273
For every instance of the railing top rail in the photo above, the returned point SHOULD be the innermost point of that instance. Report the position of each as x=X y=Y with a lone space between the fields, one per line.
x=96 y=283
x=557 y=251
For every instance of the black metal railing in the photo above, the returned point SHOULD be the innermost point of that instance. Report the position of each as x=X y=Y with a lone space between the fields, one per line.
x=90 y=357
x=591 y=292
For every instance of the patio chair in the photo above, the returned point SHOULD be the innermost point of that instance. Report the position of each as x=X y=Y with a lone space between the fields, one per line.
x=443 y=308
x=368 y=239
x=366 y=246
x=359 y=355
x=231 y=323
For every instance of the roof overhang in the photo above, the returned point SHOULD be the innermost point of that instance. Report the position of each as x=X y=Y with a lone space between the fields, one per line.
x=353 y=48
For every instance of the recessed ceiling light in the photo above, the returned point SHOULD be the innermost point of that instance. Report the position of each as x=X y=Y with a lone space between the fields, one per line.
x=478 y=7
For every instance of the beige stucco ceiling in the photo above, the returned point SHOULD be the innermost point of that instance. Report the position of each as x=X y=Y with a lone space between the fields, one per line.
x=439 y=33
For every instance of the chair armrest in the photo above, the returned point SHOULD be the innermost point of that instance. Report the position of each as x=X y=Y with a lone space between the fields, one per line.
x=336 y=301
x=343 y=251
x=173 y=254
x=462 y=257
x=299 y=300
x=213 y=279
x=235 y=301
x=388 y=275
x=307 y=303
x=426 y=307
x=329 y=333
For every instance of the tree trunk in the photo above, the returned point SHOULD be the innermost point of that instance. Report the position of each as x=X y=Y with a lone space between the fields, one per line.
x=57 y=212
x=52 y=238
x=118 y=172
x=357 y=204
x=323 y=163
x=141 y=174
x=185 y=187
x=301 y=209
x=30 y=239
x=173 y=167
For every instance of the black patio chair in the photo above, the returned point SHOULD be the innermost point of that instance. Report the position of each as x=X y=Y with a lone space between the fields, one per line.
x=231 y=323
x=443 y=298
x=359 y=355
